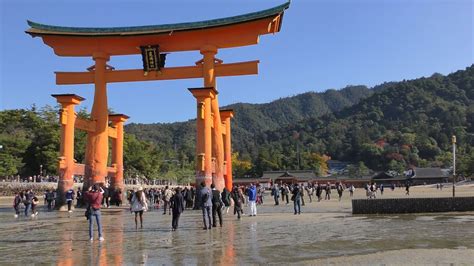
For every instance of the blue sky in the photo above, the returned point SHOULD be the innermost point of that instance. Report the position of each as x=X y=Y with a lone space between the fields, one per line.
x=323 y=44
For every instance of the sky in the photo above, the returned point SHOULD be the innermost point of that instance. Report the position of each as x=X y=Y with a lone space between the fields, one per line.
x=323 y=44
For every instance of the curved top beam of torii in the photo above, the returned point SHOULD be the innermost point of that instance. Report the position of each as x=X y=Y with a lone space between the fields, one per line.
x=227 y=32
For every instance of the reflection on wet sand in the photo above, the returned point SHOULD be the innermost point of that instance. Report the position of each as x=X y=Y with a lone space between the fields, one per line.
x=229 y=255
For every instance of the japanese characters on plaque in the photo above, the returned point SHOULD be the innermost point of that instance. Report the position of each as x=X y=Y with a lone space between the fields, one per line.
x=152 y=59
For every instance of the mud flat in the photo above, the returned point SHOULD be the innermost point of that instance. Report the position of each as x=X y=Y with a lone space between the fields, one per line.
x=325 y=233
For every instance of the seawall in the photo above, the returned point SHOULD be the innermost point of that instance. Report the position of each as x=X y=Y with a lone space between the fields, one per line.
x=412 y=205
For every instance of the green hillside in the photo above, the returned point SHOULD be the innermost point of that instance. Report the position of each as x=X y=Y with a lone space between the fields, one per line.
x=405 y=123
x=389 y=127
x=252 y=119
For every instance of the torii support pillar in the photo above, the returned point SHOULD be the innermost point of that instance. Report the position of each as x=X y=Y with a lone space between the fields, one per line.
x=226 y=115
x=203 y=134
x=117 y=121
x=67 y=119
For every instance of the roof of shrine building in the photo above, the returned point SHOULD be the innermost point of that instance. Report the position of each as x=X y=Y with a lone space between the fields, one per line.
x=38 y=29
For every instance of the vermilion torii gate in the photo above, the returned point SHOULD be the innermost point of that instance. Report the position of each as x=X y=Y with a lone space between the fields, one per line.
x=213 y=154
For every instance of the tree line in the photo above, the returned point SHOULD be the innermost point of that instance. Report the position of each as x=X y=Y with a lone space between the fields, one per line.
x=390 y=127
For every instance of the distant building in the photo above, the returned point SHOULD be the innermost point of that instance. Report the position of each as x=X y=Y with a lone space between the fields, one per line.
x=264 y=182
x=306 y=177
x=287 y=177
x=336 y=167
x=429 y=176
x=415 y=176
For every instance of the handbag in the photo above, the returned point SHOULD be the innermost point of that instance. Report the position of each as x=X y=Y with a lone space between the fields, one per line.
x=87 y=213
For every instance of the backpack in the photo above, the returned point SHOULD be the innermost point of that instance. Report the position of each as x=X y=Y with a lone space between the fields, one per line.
x=49 y=196
x=205 y=197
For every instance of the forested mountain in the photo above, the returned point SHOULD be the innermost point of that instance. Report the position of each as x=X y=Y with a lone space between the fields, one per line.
x=252 y=119
x=405 y=123
x=388 y=127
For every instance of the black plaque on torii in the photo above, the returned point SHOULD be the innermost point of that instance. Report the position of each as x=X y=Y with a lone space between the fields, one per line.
x=152 y=59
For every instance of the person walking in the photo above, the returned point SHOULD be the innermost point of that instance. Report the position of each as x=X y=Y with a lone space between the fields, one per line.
x=16 y=204
x=252 y=196
x=117 y=197
x=381 y=189
x=79 y=198
x=259 y=200
x=302 y=194
x=138 y=206
x=284 y=193
x=351 y=190
x=34 y=204
x=296 y=197
x=373 y=190
x=27 y=201
x=238 y=199
x=319 y=191
x=177 y=207
x=226 y=199
x=106 y=198
x=206 y=205
x=276 y=194
x=93 y=197
x=407 y=189
x=49 y=199
x=340 y=190
x=69 y=198
x=216 y=206
x=328 y=191
x=166 y=200
x=310 y=191
x=188 y=198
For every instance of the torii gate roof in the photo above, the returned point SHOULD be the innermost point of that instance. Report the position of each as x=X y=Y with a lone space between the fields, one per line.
x=223 y=33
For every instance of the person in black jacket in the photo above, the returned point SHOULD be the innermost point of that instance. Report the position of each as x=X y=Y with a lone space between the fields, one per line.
x=238 y=198
x=177 y=207
x=296 y=199
x=226 y=199
x=216 y=205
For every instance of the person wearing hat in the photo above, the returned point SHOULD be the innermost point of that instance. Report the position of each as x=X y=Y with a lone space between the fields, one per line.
x=139 y=205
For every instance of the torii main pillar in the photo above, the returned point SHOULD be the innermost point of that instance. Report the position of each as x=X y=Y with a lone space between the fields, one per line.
x=97 y=149
x=209 y=60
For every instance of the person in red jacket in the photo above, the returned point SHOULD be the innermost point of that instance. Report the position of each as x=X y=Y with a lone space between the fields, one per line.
x=93 y=198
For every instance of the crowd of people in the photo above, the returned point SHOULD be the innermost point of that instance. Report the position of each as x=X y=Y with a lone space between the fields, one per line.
x=174 y=201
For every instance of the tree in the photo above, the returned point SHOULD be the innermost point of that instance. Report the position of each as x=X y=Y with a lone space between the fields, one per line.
x=317 y=162
x=357 y=170
x=240 y=167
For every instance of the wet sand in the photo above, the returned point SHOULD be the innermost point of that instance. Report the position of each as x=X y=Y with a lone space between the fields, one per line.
x=325 y=233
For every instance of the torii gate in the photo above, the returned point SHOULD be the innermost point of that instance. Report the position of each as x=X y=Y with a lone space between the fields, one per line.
x=204 y=36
